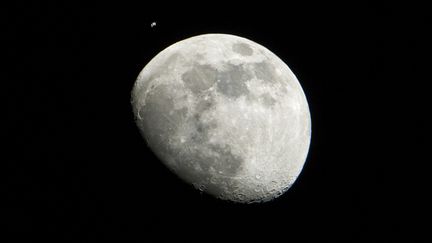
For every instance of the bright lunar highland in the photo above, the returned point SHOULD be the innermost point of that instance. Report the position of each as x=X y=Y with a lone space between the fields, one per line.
x=226 y=115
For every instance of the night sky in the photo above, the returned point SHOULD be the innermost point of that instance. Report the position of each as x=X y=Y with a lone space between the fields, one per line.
x=77 y=167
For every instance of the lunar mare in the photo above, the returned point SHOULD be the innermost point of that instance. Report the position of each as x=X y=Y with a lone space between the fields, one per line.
x=226 y=115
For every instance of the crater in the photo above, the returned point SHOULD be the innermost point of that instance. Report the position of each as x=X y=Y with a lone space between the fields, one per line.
x=242 y=49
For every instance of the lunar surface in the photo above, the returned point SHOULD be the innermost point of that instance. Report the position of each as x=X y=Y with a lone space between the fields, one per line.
x=226 y=115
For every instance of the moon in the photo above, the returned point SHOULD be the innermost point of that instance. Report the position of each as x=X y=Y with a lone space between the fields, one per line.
x=226 y=115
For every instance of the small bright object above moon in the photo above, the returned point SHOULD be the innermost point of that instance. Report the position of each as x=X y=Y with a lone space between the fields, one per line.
x=226 y=115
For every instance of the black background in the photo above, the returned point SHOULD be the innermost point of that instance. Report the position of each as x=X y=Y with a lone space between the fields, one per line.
x=77 y=167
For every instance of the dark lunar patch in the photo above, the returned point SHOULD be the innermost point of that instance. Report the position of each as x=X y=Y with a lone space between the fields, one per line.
x=265 y=72
x=199 y=78
x=267 y=100
x=232 y=81
x=242 y=49
x=202 y=128
x=201 y=134
x=204 y=104
x=227 y=162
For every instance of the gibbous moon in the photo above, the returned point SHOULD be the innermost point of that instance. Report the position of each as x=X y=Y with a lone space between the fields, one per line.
x=226 y=115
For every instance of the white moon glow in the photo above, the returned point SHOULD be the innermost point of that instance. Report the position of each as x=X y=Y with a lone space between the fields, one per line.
x=226 y=115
